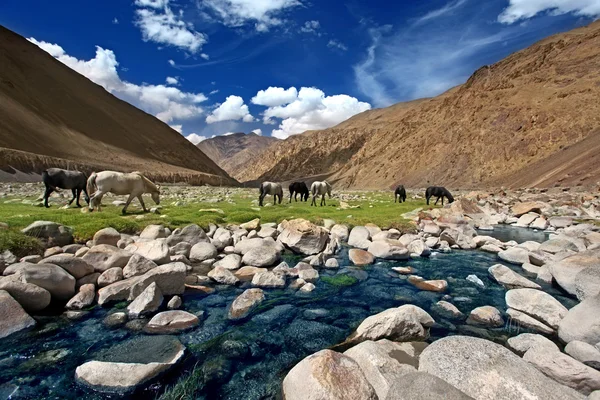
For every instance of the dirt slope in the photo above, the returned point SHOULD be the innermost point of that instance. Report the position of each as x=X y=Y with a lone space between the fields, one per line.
x=235 y=152
x=531 y=119
x=51 y=115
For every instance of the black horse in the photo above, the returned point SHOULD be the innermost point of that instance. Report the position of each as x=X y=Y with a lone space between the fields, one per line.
x=299 y=188
x=439 y=192
x=56 y=178
x=400 y=193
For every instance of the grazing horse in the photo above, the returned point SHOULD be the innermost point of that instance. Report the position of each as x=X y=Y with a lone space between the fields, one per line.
x=439 y=192
x=56 y=178
x=271 y=188
x=134 y=184
x=319 y=189
x=298 y=188
x=400 y=193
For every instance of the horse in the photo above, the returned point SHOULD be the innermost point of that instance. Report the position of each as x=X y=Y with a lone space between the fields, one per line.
x=439 y=192
x=400 y=193
x=320 y=188
x=134 y=184
x=271 y=188
x=298 y=188
x=56 y=178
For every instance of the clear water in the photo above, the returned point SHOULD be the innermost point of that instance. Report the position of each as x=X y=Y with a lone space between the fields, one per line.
x=248 y=360
x=505 y=233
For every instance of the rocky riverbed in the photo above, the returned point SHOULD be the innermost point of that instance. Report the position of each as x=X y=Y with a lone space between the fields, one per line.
x=495 y=295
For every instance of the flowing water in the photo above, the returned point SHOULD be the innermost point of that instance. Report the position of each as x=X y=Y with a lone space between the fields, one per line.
x=248 y=359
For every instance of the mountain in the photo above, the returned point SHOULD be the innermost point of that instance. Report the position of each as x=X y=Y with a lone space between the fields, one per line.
x=52 y=116
x=532 y=119
x=234 y=152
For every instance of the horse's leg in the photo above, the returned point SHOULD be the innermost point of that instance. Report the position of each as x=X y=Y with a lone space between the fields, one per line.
x=74 y=192
x=260 y=199
x=86 y=195
x=442 y=200
x=395 y=197
x=322 y=199
x=47 y=193
x=139 y=197
x=274 y=199
x=426 y=197
x=129 y=199
x=97 y=200
x=436 y=200
x=291 y=194
x=78 y=191
x=313 y=202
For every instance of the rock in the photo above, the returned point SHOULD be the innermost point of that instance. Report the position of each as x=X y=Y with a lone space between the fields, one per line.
x=146 y=303
x=245 y=303
x=403 y=324
x=230 y=262
x=560 y=222
x=115 y=320
x=108 y=236
x=565 y=272
x=34 y=259
x=267 y=231
x=169 y=322
x=138 y=265
x=246 y=273
x=438 y=285
x=474 y=279
x=360 y=257
x=53 y=278
x=510 y=279
x=537 y=304
x=308 y=273
x=582 y=322
x=523 y=342
x=432 y=228
x=341 y=231
x=521 y=319
x=448 y=310
x=564 y=369
x=180 y=249
x=244 y=246
x=261 y=257
x=73 y=265
x=88 y=279
x=332 y=263
x=222 y=275
x=268 y=279
x=540 y=223
x=152 y=232
x=110 y=276
x=359 y=237
x=485 y=316
x=491 y=248
x=154 y=250
x=103 y=257
x=389 y=250
x=327 y=375
x=379 y=362
x=50 y=233
x=519 y=209
x=307 y=287
x=554 y=246
x=514 y=255
x=191 y=234
x=53 y=251
x=419 y=247
x=134 y=364
x=84 y=298
x=526 y=219
x=174 y=303
x=486 y=370
x=303 y=237
x=31 y=297
x=421 y=385
x=221 y=238
x=403 y=270
x=12 y=316
x=584 y=352
x=251 y=225
x=203 y=251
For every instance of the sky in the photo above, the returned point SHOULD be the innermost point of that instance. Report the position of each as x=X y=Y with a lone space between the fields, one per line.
x=281 y=67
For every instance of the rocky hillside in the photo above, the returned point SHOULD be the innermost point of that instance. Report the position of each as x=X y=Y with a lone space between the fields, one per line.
x=52 y=116
x=234 y=152
x=532 y=119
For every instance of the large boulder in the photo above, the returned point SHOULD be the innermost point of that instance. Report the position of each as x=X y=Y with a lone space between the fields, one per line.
x=486 y=370
x=222 y=238
x=147 y=302
x=108 y=236
x=303 y=237
x=191 y=234
x=537 y=304
x=154 y=250
x=247 y=272
x=152 y=232
x=12 y=316
x=557 y=245
x=75 y=266
x=519 y=209
x=359 y=237
x=50 y=233
x=514 y=255
x=103 y=257
x=245 y=303
x=421 y=385
x=510 y=279
x=269 y=280
x=520 y=319
x=327 y=375
x=485 y=316
x=203 y=251
x=230 y=262
x=523 y=342
x=419 y=248
x=584 y=352
x=433 y=285
x=566 y=270
x=341 y=231
x=110 y=276
x=587 y=283
x=53 y=278
x=261 y=257
x=360 y=257
x=138 y=265
x=31 y=297
x=84 y=298
x=389 y=250
x=244 y=246
x=582 y=322
x=173 y=321
x=222 y=275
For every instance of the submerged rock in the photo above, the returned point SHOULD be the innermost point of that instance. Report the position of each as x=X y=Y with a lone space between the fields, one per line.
x=173 y=321
x=245 y=303
x=361 y=257
x=485 y=316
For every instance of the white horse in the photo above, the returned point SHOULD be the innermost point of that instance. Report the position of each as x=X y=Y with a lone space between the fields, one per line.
x=134 y=184
x=320 y=189
x=271 y=188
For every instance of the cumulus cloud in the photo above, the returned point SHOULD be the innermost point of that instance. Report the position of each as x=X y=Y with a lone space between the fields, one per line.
x=195 y=138
x=178 y=128
x=524 y=9
x=264 y=14
x=166 y=103
x=214 y=92
x=257 y=132
x=115 y=21
x=172 y=80
x=275 y=96
x=309 y=109
x=311 y=27
x=336 y=44
x=232 y=109
x=159 y=24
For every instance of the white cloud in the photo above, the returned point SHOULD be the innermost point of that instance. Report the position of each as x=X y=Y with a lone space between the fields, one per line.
x=258 y=132
x=172 y=80
x=232 y=109
x=115 y=21
x=264 y=14
x=310 y=109
x=311 y=27
x=205 y=56
x=228 y=134
x=178 y=128
x=214 y=92
x=195 y=138
x=524 y=9
x=439 y=12
x=336 y=44
x=160 y=24
x=171 y=63
x=166 y=103
x=275 y=96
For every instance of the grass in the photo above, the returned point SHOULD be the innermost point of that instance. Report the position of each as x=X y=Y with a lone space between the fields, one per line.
x=374 y=207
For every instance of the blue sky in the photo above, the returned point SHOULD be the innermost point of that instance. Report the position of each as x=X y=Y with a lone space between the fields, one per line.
x=209 y=67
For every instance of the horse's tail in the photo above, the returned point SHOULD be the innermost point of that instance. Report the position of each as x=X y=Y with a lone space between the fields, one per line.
x=91 y=183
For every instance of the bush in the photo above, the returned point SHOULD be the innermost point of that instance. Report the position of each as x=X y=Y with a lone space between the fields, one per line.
x=19 y=244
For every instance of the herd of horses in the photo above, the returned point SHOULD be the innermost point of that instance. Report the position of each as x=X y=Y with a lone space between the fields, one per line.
x=134 y=184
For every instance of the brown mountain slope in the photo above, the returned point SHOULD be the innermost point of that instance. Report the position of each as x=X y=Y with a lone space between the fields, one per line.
x=52 y=116
x=234 y=152
x=519 y=122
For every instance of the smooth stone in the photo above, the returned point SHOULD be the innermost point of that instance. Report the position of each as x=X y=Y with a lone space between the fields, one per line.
x=53 y=278
x=585 y=353
x=222 y=275
x=110 y=276
x=173 y=321
x=146 y=303
x=448 y=310
x=510 y=279
x=13 y=317
x=390 y=250
x=537 y=304
x=103 y=257
x=565 y=271
x=84 y=298
x=341 y=231
x=203 y=251
x=514 y=255
x=303 y=237
x=73 y=265
x=108 y=236
x=582 y=322
x=332 y=263
x=421 y=385
x=359 y=237
x=152 y=232
x=31 y=297
x=261 y=257
x=268 y=280
x=191 y=234
x=245 y=303
x=246 y=273
x=155 y=250
x=485 y=316
x=523 y=342
x=51 y=233
x=174 y=303
x=523 y=320
x=138 y=265
x=230 y=262
x=475 y=279
x=438 y=285
x=360 y=257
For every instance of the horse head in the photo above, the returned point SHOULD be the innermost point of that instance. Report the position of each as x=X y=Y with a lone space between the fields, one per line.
x=156 y=195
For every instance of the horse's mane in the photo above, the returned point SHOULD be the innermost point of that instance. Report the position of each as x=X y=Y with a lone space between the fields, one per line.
x=147 y=181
